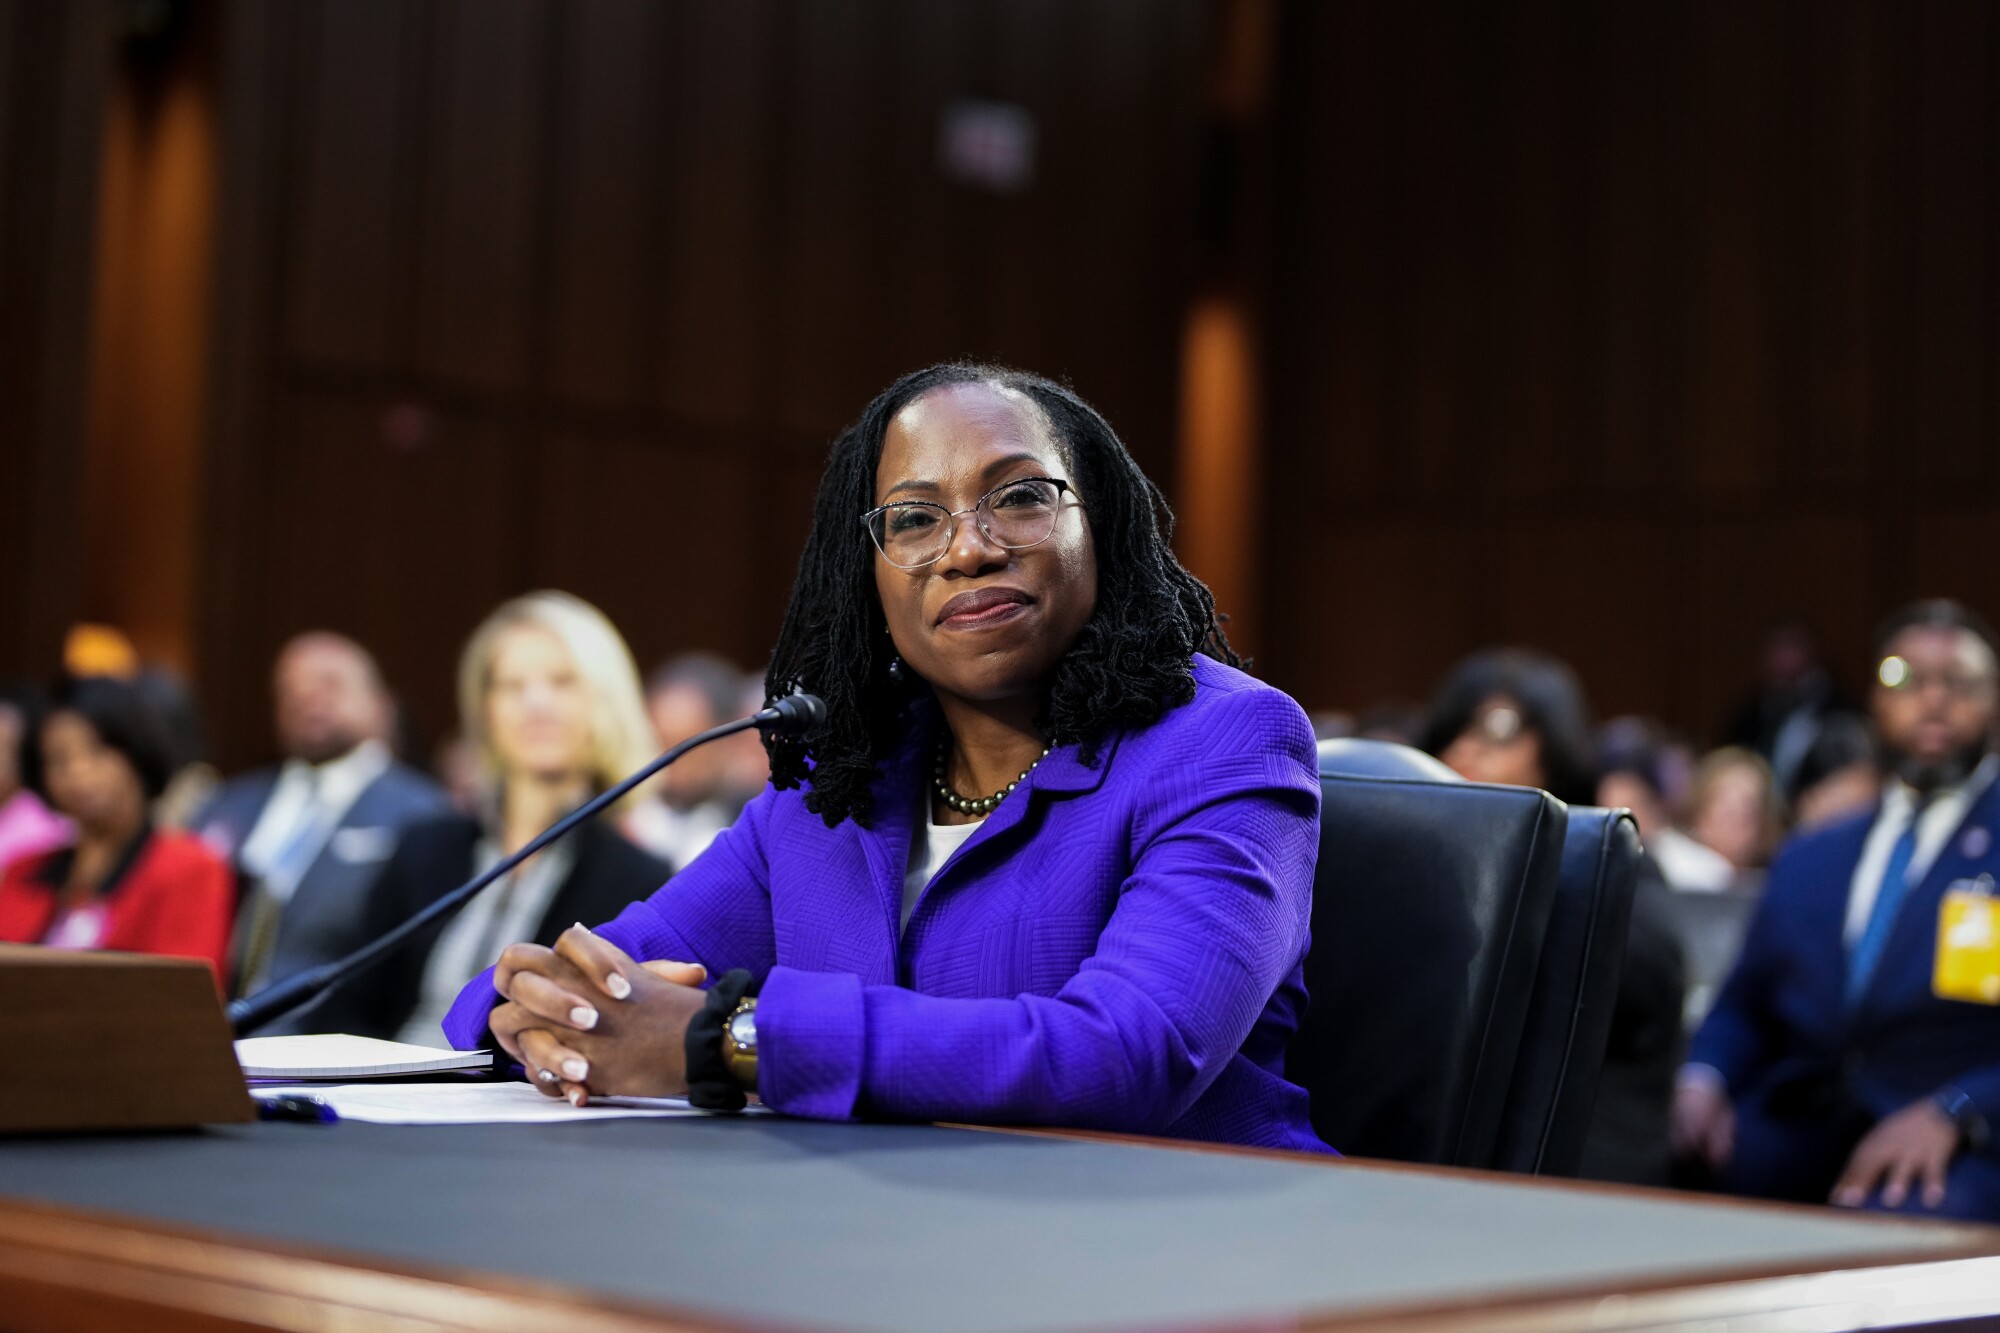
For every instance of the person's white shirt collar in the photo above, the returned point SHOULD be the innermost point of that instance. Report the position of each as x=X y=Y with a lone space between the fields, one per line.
x=1941 y=817
x=328 y=790
x=338 y=783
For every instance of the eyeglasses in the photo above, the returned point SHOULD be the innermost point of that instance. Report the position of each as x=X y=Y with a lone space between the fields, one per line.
x=1897 y=674
x=913 y=533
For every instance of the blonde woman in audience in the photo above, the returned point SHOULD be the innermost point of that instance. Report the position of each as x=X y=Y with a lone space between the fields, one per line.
x=1734 y=808
x=1632 y=774
x=549 y=700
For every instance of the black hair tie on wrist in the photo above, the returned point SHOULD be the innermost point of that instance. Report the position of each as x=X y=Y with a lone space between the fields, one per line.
x=709 y=1085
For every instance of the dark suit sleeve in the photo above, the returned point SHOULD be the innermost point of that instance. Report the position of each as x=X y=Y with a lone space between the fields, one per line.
x=1983 y=1086
x=1736 y=1037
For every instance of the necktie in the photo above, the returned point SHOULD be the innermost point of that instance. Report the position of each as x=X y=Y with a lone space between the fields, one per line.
x=287 y=867
x=1867 y=954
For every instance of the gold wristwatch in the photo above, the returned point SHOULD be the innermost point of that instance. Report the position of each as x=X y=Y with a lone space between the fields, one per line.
x=739 y=1044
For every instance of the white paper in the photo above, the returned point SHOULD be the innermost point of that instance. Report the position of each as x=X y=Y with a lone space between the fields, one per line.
x=472 y=1104
x=337 y=1055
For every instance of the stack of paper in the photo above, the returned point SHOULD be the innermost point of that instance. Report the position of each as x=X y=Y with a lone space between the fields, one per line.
x=475 y=1104
x=336 y=1056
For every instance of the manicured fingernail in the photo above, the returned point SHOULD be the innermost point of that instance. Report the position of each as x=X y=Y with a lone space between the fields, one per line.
x=620 y=988
x=585 y=929
x=584 y=1017
x=575 y=1070
x=576 y=1096
x=546 y=1076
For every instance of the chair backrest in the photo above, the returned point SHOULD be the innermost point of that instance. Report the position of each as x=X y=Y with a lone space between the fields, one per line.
x=1554 y=1088
x=1429 y=907
x=1710 y=927
x=1359 y=757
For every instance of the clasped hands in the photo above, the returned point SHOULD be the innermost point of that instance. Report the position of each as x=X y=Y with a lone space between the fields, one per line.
x=587 y=1020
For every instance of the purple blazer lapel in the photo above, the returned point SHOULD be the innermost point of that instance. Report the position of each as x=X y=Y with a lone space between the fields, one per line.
x=886 y=842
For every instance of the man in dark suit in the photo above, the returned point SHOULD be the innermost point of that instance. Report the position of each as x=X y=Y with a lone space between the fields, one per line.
x=1854 y=1052
x=309 y=838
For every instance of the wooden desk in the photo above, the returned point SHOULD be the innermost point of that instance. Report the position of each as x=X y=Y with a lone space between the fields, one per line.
x=763 y=1223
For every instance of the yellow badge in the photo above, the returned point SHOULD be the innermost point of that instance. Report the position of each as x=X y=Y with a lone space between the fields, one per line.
x=1968 y=944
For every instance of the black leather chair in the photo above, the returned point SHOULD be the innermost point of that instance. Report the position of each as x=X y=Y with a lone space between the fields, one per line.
x=1554 y=1088
x=1359 y=757
x=1430 y=906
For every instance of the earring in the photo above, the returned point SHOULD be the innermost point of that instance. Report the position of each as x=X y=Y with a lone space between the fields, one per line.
x=897 y=671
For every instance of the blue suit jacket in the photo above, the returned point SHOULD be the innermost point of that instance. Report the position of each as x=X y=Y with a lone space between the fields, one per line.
x=1782 y=1015
x=323 y=919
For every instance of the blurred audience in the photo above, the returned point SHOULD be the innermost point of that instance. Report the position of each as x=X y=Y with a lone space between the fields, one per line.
x=549 y=697
x=122 y=884
x=695 y=798
x=746 y=768
x=98 y=650
x=1838 y=777
x=1734 y=811
x=459 y=770
x=1398 y=722
x=27 y=826
x=309 y=837
x=1632 y=774
x=1516 y=717
x=1520 y=718
x=193 y=780
x=1779 y=719
x=1854 y=1052
x=1333 y=725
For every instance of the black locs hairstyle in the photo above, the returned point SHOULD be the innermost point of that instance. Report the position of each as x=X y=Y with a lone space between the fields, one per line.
x=1131 y=663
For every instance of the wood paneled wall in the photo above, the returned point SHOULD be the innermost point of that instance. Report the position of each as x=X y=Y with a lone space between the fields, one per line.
x=517 y=293
x=1616 y=329
x=1621 y=329
x=55 y=68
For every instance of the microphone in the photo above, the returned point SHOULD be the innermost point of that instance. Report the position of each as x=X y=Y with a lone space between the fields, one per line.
x=797 y=714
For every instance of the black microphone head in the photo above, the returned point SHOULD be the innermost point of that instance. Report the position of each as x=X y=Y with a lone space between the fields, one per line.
x=797 y=714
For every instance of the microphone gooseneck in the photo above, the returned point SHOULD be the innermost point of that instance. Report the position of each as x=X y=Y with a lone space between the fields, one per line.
x=797 y=714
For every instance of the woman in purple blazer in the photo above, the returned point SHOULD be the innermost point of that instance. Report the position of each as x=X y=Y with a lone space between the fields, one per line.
x=1048 y=861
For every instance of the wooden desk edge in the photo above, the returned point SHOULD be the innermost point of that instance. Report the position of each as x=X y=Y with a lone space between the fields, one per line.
x=106 y=1270
x=1960 y=1277
x=81 y=1269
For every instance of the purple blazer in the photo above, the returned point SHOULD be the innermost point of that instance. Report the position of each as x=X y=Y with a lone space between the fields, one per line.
x=1118 y=947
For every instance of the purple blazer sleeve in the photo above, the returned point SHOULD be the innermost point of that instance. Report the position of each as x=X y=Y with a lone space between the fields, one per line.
x=717 y=912
x=1212 y=918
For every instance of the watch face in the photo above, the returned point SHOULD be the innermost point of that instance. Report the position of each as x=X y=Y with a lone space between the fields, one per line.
x=743 y=1031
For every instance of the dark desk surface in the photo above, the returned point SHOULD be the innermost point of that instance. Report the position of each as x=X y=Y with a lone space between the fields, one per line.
x=763 y=1221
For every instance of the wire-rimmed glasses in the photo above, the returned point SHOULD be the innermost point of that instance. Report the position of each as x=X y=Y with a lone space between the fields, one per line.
x=912 y=533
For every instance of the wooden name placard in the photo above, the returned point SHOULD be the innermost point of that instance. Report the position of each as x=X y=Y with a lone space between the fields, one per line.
x=119 y=1041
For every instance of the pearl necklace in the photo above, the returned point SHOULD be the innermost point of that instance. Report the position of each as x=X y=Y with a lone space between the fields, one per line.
x=983 y=805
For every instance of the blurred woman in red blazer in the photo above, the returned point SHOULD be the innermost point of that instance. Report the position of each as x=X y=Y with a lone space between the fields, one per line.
x=122 y=884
